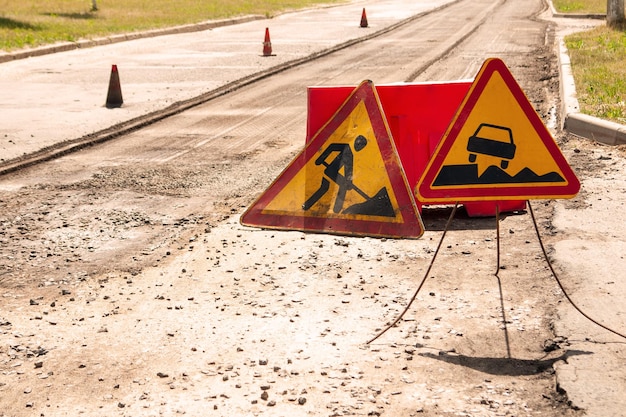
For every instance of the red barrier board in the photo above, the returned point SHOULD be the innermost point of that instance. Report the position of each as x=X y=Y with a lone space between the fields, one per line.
x=418 y=115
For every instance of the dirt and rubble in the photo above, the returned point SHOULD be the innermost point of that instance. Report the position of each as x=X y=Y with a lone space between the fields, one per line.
x=133 y=290
x=113 y=305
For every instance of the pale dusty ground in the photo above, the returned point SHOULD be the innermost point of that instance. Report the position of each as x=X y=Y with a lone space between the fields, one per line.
x=133 y=291
x=591 y=260
x=238 y=321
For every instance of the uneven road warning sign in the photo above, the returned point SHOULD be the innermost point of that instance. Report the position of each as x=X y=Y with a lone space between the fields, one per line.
x=347 y=180
x=496 y=148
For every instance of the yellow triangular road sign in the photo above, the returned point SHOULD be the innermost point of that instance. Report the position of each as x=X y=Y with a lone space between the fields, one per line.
x=347 y=180
x=496 y=148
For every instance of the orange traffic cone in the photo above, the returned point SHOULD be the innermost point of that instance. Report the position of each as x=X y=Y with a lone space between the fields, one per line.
x=114 y=96
x=363 y=19
x=267 y=45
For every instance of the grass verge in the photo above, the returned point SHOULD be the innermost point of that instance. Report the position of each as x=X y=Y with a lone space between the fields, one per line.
x=580 y=6
x=598 y=59
x=31 y=23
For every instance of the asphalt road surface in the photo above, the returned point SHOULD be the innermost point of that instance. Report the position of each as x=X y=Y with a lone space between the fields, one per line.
x=130 y=288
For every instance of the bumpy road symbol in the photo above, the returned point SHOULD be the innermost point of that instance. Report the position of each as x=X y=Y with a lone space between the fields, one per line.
x=495 y=141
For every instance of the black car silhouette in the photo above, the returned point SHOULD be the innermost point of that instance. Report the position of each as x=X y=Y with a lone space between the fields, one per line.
x=492 y=140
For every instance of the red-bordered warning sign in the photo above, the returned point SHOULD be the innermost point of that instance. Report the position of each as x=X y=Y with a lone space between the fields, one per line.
x=347 y=180
x=496 y=148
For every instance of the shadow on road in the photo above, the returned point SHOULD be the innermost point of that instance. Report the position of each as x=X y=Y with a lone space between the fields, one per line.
x=504 y=366
x=435 y=218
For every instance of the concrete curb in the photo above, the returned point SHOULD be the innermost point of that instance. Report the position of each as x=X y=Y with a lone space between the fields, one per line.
x=604 y=131
x=569 y=100
x=580 y=15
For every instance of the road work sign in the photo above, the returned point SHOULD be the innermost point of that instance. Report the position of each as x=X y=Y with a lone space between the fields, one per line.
x=496 y=148
x=347 y=180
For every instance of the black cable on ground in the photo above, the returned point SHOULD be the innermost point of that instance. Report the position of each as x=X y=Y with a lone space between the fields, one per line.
x=545 y=255
x=497 y=240
x=506 y=329
x=423 y=279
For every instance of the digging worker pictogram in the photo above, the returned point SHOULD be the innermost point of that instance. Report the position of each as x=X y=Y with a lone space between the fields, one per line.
x=344 y=159
x=340 y=171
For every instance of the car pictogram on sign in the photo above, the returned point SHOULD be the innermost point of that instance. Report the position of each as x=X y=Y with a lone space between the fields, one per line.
x=494 y=111
x=492 y=140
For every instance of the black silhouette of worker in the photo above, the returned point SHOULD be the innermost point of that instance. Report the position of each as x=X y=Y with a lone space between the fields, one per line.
x=343 y=160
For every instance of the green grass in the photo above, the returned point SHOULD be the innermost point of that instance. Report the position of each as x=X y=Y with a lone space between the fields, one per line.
x=30 y=23
x=598 y=60
x=580 y=6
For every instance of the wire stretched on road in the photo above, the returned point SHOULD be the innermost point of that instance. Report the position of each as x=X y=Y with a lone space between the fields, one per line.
x=502 y=309
x=545 y=255
x=558 y=281
x=423 y=279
